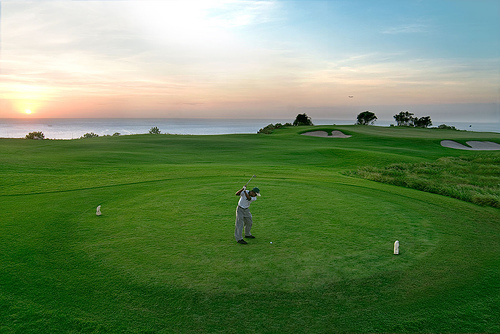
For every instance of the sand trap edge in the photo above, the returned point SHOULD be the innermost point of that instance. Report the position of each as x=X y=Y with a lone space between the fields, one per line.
x=324 y=134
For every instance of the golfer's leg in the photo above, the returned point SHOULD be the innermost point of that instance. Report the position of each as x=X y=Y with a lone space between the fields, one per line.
x=238 y=225
x=248 y=223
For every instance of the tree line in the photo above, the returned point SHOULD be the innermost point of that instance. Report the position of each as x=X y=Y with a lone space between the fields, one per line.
x=404 y=118
x=300 y=119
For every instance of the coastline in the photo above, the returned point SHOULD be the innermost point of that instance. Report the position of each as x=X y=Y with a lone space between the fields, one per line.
x=72 y=128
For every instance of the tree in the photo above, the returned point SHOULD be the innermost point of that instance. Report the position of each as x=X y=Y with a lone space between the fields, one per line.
x=302 y=119
x=154 y=131
x=35 y=135
x=404 y=118
x=366 y=118
x=447 y=127
x=422 y=122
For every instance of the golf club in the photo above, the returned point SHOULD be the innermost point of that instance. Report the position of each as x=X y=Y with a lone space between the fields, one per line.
x=250 y=180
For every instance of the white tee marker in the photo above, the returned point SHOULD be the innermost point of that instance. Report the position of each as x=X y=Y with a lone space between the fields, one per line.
x=396 y=247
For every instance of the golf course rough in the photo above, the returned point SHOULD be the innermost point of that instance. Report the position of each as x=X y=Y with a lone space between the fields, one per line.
x=162 y=256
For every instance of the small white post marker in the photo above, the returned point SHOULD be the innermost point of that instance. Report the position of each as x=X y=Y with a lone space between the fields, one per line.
x=396 y=247
x=98 y=213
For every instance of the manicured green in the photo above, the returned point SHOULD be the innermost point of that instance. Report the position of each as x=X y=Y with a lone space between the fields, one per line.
x=162 y=258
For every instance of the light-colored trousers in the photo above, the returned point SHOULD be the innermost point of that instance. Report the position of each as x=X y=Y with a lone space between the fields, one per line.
x=243 y=220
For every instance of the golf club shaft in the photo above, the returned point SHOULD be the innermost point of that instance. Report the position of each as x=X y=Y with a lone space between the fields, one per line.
x=249 y=180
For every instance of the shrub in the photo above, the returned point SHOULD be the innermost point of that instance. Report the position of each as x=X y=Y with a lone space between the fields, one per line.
x=446 y=127
x=35 y=135
x=268 y=129
x=89 y=135
x=154 y=131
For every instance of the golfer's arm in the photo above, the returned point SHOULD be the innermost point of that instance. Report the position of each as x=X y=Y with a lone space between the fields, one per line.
x=238 y=193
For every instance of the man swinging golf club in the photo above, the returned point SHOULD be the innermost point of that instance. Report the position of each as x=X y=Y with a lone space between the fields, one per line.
x=243 y=215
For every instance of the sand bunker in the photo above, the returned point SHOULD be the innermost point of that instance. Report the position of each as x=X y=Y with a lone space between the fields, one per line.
x=335 y=134
x=473 y=145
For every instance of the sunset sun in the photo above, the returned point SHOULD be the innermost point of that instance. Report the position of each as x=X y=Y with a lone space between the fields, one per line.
x=27 y=112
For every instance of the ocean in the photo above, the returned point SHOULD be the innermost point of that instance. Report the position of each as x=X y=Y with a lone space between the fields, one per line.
x=71 y=128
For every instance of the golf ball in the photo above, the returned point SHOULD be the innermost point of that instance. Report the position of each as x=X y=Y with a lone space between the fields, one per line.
x=271 y=242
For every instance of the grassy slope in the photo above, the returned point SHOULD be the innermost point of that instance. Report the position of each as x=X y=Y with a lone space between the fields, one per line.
x=162 y=258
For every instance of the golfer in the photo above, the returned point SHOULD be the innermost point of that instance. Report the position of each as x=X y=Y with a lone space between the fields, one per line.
x=243 y=215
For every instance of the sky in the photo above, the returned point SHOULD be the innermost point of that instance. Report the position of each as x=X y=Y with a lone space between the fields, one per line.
x=265 y=59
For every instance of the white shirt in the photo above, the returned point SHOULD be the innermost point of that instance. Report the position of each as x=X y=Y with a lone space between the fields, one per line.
x=244 y=202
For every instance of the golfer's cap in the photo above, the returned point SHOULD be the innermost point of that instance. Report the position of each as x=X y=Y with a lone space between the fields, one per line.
x=256 y=190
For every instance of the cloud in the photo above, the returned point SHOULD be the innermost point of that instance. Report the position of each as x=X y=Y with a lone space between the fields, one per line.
x=413 y=28
x=377 y=78
x=223 y=54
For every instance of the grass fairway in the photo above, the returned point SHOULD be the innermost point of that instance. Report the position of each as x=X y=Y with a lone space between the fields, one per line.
x=162 y=258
